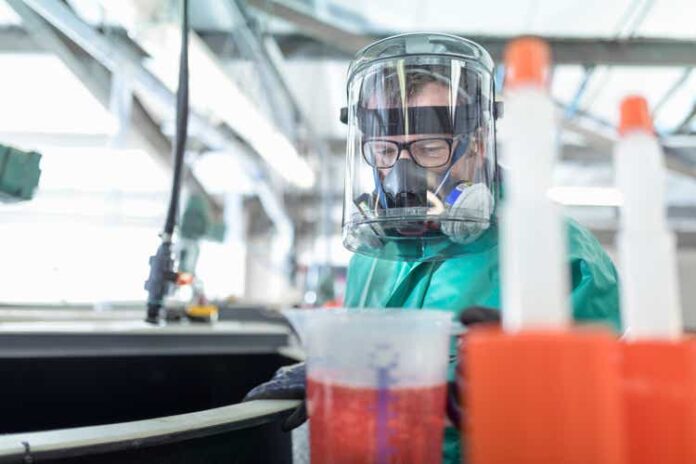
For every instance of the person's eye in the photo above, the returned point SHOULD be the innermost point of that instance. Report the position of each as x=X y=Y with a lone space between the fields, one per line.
x=433 y=147
x=383 y=149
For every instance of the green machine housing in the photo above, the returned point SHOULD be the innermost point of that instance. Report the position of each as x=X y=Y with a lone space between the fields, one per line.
x=19 y=174
x=197 y=223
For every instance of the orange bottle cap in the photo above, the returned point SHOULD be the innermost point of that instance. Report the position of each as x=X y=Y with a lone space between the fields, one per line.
x=635 y=115
x=527 y=62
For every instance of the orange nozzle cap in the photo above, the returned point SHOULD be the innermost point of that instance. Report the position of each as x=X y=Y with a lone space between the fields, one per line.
x=527 y=62
x=635 y=115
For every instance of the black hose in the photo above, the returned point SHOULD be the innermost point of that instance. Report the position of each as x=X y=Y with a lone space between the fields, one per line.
x=182 y=111
x=162 y=273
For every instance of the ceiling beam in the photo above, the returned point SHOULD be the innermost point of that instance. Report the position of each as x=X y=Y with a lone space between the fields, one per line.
x=566 y=51
x=311 y=45
x=343 y=42
x=342 y=39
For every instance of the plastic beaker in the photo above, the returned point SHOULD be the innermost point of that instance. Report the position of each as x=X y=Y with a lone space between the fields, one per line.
x=376 y=384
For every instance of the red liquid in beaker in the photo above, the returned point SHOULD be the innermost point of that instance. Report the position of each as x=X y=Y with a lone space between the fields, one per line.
x=364 y=425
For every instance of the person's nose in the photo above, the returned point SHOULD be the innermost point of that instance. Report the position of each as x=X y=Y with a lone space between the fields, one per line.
x=405 y=154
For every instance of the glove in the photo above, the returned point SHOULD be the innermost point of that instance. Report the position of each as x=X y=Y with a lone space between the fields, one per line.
x=288 y=383
x=475 y=203
x=479 y=315
x=468 y=317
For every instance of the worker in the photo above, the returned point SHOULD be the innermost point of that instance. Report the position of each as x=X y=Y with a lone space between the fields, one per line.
x=423 y=186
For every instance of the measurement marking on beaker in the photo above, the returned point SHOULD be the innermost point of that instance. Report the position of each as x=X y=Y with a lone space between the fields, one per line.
x=384 y=360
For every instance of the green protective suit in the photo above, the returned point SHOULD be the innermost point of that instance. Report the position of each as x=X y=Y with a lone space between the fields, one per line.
x=474 y=280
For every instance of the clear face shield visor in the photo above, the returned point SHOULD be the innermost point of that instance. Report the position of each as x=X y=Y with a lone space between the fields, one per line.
x=421 y=167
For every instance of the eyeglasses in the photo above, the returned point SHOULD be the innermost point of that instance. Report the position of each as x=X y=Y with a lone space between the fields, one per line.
x=426 y=153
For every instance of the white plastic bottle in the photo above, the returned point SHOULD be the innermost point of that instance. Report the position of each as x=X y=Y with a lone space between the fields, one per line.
x=548 y=390
x=649 y=291
x=533 y=241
